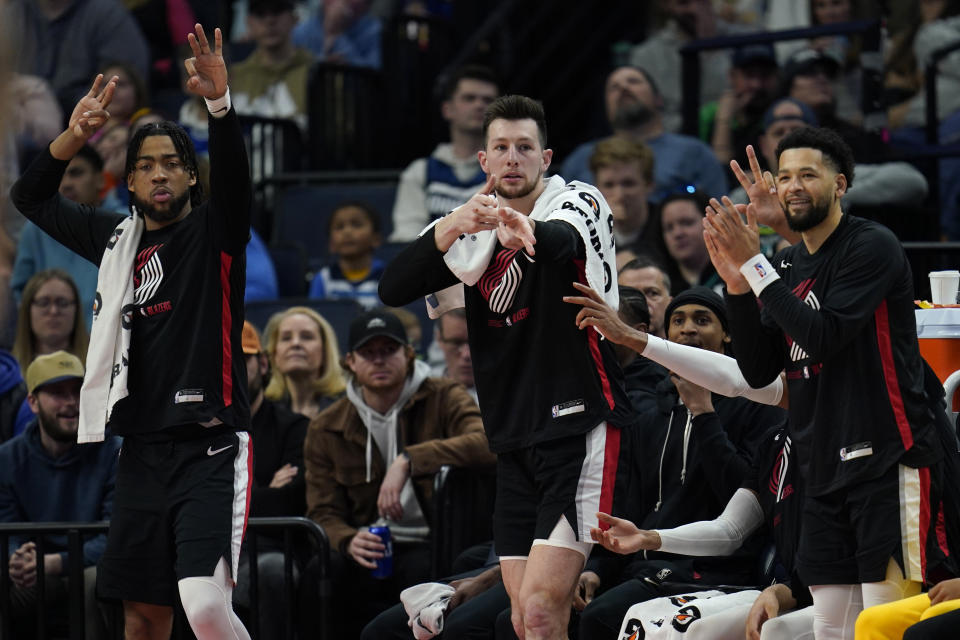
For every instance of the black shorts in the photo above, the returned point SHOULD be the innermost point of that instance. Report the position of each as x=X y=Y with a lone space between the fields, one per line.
x=536 y=486
x=849 y=536
x=180 y=506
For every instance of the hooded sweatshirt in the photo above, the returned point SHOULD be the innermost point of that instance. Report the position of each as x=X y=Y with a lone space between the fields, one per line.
x=78 y=486
x=382 y=429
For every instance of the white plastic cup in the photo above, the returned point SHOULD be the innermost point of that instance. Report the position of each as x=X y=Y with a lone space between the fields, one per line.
x=943 y=286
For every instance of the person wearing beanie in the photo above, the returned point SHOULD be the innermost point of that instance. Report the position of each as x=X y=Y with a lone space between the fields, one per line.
x=687 y=456
x=370 y=458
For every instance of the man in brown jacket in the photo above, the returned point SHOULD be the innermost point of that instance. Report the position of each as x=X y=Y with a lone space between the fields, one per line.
x=370 y=459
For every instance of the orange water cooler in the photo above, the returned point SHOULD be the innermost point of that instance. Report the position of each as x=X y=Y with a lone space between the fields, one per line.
x=938 y=332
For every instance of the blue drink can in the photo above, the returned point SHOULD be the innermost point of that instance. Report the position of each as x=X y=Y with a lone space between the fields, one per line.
x=385 y=564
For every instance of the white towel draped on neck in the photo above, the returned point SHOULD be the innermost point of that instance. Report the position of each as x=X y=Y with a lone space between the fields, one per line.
x=576 y=203
x=108 y=356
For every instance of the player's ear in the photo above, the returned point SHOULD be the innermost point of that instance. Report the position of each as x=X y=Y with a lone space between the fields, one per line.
x=482 y=157
x=841 y=182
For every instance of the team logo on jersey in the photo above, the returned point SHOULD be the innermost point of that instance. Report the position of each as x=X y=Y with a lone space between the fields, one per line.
x=501 y=280
x=778 y=477
x=148 y=274
x=633 y=630
x=685 y=617
x=804 y=291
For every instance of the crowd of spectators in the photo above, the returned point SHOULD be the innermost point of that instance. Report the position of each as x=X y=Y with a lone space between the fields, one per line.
x=374 y=439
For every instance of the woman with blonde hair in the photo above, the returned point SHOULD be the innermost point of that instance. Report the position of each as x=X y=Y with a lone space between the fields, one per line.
x=48 y=318
x=305 y=367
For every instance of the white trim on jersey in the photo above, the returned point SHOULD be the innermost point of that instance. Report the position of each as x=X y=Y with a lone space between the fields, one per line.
x=242 y=471
x=911 y=502
x=590 y=485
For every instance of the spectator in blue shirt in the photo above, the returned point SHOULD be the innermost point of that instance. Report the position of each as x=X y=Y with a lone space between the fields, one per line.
x=342 y=31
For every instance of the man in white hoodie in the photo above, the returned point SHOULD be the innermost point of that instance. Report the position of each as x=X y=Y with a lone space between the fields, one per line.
x=370 y=459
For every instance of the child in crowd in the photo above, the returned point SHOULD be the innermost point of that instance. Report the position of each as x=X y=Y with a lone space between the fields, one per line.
x=353 y=271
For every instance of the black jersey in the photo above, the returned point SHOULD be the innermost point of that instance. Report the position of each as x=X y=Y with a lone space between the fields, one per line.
x=186 y=363
x=538 y=376
x=841 y=322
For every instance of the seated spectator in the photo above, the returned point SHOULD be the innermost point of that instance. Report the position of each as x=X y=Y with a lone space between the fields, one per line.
x=66 y=42
x=682 y=474
x=353 y=271
x=659 y=54
x=272 y=81
x=371 y=457
x=37 y=251
x=732 y=122
x=881 y=184
x=927 y=616
x=687 y=261
x=342 y=31
x=278 y=486
x=48 y=319
x=261 y=274
x=650 y=278
x=46 y=477
x=623 y=171
x=305 y=373
x=635 y=111
x=641 y=375
x=933 y=25
x=431 y=187
x=810 y=77
x=450 y=332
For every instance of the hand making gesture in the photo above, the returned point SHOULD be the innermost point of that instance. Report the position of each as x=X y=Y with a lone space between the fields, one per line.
x=91 y=113
x=515 y=230
x=207 y=70
x=479 y=213
x=622 y=536
x=600 y=315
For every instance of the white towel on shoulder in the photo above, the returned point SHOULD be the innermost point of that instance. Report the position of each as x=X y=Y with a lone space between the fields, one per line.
x=108 y=356
x=576 y=203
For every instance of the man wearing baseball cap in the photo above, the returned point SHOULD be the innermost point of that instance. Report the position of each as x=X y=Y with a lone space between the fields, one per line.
x=278 y=489
x=46 y=477
x=370 y=458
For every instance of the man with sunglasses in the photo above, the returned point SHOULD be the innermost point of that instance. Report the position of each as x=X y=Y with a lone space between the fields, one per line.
x=370 y=459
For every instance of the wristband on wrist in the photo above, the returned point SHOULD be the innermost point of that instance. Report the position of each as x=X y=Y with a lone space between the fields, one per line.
x=759 y=273
x=220 y=106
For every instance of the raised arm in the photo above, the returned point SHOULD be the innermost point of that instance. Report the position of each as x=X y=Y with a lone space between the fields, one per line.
x=230 y=186
x=81 y=228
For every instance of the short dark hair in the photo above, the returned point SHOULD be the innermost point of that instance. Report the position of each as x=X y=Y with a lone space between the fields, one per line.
x=698 y=198
x=836 y=152
x=644 y=261
x=372 y=215
x=88 y=153
x=633 y=306
x=468 y=72
x=181 y=142
x=516 y=107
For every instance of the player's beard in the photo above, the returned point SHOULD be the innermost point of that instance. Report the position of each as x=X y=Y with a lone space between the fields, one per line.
x=51 y=426
x=520 y=191
x=817 y=213
x=177 y=203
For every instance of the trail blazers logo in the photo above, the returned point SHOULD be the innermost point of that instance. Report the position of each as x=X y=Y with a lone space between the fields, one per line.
x=502 y=278
x=778 y=485
x=804 y=291
x=148 y=274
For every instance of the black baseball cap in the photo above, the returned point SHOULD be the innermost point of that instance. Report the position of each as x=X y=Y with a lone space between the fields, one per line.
x=376 y=323
x=806 y=60
x=754 y=54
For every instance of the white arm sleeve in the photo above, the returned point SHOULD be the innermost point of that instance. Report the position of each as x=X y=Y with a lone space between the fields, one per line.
x=719 y=537
x=710 y=370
